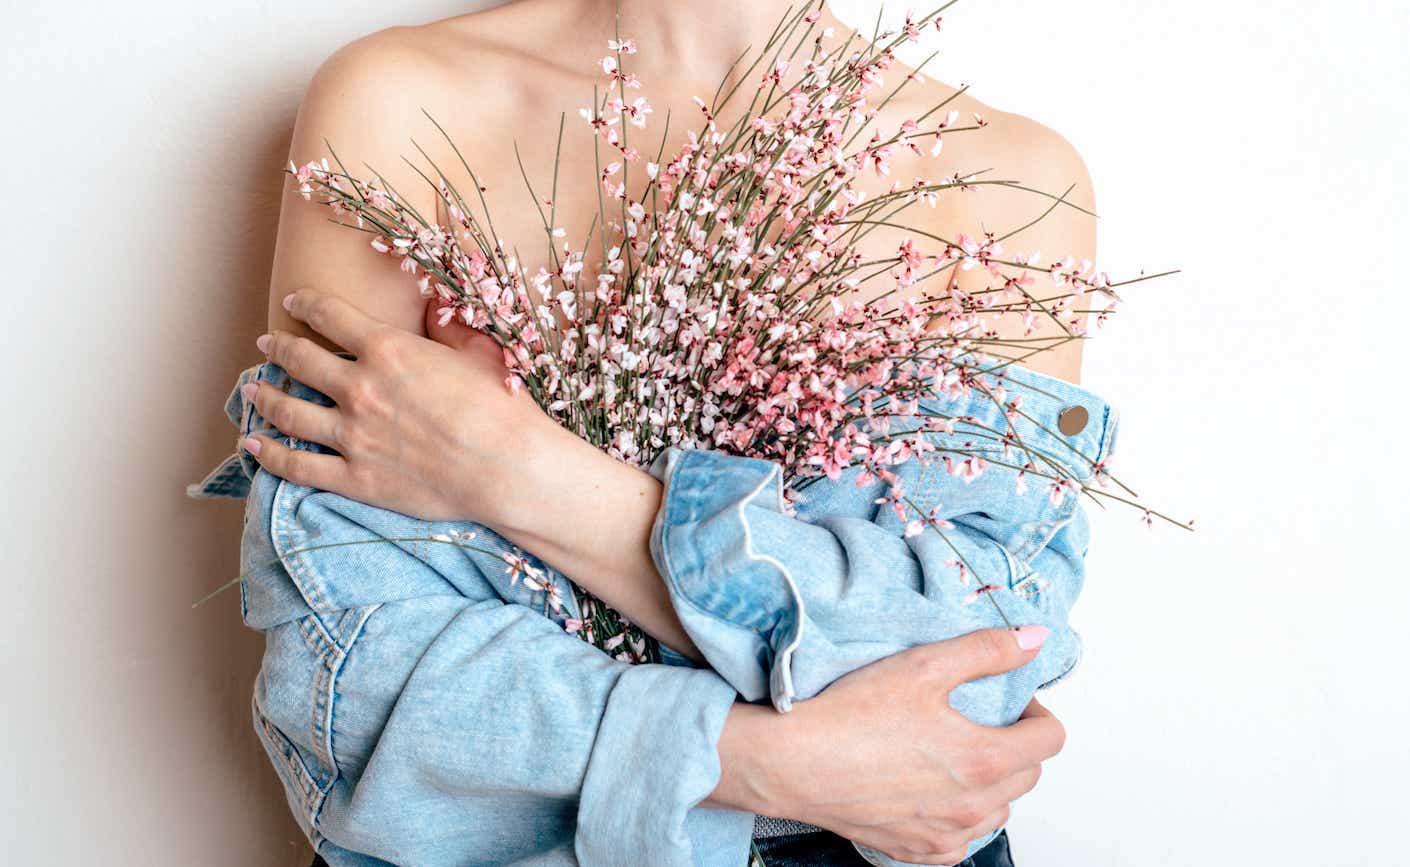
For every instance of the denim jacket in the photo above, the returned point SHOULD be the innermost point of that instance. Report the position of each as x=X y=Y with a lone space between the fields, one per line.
x=423 y=708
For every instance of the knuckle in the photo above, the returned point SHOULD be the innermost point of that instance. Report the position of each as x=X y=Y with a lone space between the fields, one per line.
x=1003 y=815
x=993 y=644
x=297 y=467
x=359 y=397
x=949 y=841
x=904 y=854
x=300 y=348
x=931 y=663
x=942 y=841
x=982 y=765
x=382 y=343
x=316 y=309
x=343 y=433
x=283 y=416
x=967 y=814
x=285 y=349
x=278 y=346
x=350 y=436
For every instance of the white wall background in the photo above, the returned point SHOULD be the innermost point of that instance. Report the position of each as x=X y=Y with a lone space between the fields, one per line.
x=1244 y=695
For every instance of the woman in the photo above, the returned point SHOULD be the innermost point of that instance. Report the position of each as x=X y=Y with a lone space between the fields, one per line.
x=467 y=450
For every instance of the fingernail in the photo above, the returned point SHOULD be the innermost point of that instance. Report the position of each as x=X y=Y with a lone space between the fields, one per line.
x=251 y=445
x=263 y=342
x=289 y=301
x=1031 y=637
x=249 y=390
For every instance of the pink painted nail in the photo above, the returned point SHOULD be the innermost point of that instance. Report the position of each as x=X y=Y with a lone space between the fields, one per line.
x=263 y=342
x=1030 y=637
x=251 y=445
x=249 y=390
x=289 y=301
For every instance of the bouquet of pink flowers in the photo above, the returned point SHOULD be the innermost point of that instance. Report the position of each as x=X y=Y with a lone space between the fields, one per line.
x=731 y=307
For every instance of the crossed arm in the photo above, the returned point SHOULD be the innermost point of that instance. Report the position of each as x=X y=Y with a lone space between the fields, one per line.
x=425 y=427
x=419 y=428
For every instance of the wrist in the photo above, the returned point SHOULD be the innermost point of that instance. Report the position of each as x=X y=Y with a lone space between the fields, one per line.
x=753 y=748
x=509 y=491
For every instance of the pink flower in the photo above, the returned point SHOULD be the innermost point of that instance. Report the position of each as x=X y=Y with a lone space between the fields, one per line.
x=973 y=595
x=733 y=307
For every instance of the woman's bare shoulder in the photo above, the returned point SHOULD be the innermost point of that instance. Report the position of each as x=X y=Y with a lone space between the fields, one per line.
x=390 y=74
x=464 y=71
x=1012 y=147
x=1007 y=140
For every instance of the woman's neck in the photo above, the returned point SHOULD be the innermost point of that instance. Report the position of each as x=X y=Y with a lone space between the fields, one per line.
x=704 y=37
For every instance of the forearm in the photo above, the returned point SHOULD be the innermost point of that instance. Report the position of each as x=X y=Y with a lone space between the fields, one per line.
x=590 y=516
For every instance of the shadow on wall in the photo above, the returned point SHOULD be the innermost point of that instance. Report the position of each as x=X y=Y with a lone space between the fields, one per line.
x=229 y=652
x=212 y=161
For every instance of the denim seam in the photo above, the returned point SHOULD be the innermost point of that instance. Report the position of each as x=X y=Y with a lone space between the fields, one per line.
x=304 y=580
x=319 y=687
x=312 y=635
x=1077 y=660
x=1108 y=438
x=323 y=721
x=312 y=794
x=783 y=661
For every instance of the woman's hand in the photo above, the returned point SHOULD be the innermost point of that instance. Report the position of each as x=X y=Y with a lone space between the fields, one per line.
x=421 y=427
x=428 y=428
x=881 y=758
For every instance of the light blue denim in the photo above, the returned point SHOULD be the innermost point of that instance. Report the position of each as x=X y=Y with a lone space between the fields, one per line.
x=422 y=709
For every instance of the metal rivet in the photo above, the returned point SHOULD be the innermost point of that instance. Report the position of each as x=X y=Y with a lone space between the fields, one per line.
x=1072 y=420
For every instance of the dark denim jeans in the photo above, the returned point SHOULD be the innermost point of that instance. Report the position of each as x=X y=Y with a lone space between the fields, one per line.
x=826 y=849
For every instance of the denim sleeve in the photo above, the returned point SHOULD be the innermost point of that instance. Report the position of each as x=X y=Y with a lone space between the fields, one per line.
x=782 y=601
x=422 y=705
x=480 y=732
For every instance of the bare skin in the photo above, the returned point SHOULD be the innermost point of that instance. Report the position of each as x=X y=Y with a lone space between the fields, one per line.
x=920 y=781
x=879 y=756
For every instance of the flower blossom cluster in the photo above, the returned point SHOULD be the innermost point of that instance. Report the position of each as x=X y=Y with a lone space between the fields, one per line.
x=732 y=307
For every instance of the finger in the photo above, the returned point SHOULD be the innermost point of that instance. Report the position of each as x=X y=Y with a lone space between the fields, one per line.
x=992 y=822
x=1016 y=785
x=954 y=845
x=311 y=469
x=456 y=334
x=982 y=653
x=334 y=318
x=443 y=323
x=306 y=361
x=292 y=415
x=1034 y=709
x=1033 y=739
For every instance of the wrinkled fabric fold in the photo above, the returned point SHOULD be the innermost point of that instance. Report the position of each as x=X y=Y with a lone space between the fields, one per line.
x=782 y=602
x=422 y=706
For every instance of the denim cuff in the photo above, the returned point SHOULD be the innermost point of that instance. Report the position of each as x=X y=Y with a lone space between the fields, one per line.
x=741 y=607
x=649 y=772
x=780 y=604
x=231 y=477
